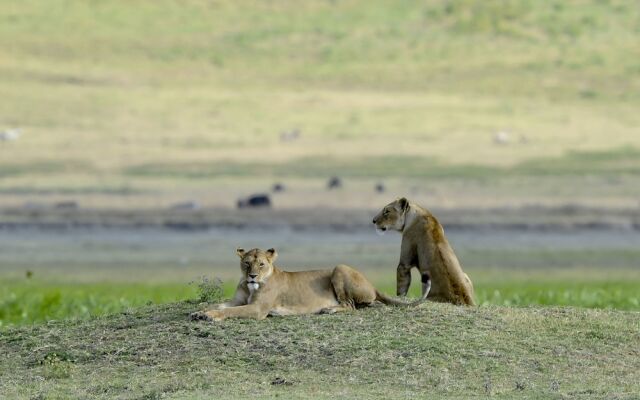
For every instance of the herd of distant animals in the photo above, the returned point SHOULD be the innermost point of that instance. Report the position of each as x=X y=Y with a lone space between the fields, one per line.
x=257 y=200
x=264 y=200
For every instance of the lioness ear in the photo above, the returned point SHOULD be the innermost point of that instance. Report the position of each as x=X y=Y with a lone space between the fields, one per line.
x=272 y=254
x=403 y=203
x=240 y=252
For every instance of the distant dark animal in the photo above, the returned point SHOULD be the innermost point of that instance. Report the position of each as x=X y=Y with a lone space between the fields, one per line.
x=29 y=274
x=32 y=205
x=67 y=205
x=334 y=183
x=380 y=188
x=277 y=187
x=255 y=200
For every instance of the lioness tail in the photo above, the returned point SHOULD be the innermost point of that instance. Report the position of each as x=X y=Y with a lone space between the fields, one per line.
x=390 y=301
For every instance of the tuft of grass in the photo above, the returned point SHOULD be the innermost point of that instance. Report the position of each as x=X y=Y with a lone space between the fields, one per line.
x=209 y=290
x=57 y=366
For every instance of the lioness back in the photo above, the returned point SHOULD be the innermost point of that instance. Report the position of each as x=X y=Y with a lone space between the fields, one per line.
x=306 y=287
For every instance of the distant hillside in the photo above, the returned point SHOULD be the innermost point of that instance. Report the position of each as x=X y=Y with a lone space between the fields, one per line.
x=106 y=91
x=547 y=49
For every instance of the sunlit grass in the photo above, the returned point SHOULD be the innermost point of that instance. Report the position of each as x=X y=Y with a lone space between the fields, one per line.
x=37 y=301
x=25 y=302
x=606 y=294
x=612 y=295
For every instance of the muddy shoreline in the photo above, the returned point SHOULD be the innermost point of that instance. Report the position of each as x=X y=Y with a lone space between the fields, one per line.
x=531 y=218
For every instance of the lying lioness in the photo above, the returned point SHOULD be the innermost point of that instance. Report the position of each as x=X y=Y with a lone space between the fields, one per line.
x=266 y=290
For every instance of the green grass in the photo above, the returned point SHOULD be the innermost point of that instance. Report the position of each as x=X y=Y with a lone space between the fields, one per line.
x=437 y=350
x=612 y=295
x=608 y=294
x=38 y=301
x=35 y=301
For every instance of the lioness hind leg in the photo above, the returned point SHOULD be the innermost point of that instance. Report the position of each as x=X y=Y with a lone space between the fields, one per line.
x=351 y=287
x=469 y=283
x=336 y=309
x=426 y=284
x=403 y=280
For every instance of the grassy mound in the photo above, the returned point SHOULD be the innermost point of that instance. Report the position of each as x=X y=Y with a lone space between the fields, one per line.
x=437 y=350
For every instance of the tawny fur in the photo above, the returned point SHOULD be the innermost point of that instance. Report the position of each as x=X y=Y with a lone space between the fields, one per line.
x=424 y=246
x=288 y=293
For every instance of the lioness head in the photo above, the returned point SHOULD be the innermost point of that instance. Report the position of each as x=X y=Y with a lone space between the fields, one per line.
x=392 y=216
x=256 y=265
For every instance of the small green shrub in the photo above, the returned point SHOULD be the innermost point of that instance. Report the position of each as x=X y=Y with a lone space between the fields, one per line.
x=209 y=290
x=57 y=366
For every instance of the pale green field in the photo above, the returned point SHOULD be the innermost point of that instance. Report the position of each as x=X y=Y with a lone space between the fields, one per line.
x=164 y=96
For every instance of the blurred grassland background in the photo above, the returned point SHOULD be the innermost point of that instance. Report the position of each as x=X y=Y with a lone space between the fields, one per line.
x=118 y=97
x=125 y=105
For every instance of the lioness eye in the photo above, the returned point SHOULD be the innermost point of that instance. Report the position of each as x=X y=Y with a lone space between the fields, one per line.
x=262 y=264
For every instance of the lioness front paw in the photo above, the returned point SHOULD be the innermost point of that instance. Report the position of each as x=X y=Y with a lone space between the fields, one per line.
x=206 y=316
x=199 y=316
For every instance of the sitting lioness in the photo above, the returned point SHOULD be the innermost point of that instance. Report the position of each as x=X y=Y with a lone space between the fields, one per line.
x=266 y=290
x=424 y=246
